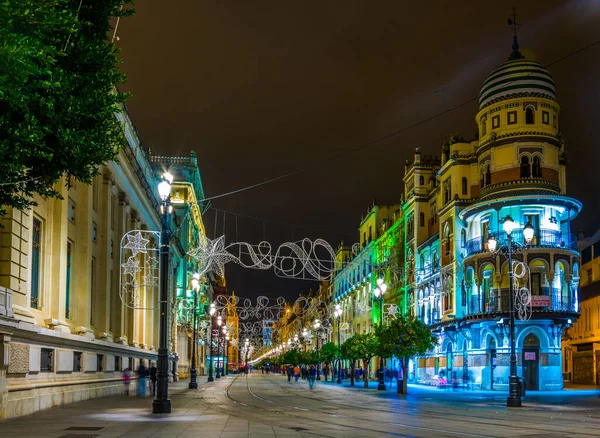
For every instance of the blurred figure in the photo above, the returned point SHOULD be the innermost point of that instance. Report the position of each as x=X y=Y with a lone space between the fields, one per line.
x=153 y=372
x=290 y=373
x=296 y=373
x=312 y=373
x=141 y=374
x=126 y=377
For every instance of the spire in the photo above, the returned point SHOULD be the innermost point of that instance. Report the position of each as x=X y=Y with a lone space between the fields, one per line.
x=513 y=22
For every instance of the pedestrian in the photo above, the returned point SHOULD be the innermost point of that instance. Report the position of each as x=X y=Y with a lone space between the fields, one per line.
x=290 y=373
x=141 y=374
x=126 y=377
x=296 y=373
x=153 y=372
x=312 y=373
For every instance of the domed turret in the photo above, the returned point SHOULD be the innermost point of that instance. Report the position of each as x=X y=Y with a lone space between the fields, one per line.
x=517 y=78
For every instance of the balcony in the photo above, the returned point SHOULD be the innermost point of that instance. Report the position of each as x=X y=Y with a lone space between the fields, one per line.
x=553 y=302
x=544 y=238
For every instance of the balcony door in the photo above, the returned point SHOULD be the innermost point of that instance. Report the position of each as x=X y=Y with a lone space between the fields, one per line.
x=531 y=361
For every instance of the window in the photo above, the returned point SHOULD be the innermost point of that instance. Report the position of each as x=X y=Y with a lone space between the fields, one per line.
x=68 y=282
x=370 y=233
x=117 y=363
x=421 y=219
x=495 y=122
x=525 y=169
x=99 y=362
x=112 y=248
x=536 y=283
x=46 y=357
x=113 y=212
x=464 y=185
x=94 y=232
x=131 y=363
x=71 y=211
x=463 y=238
x=421 y=180
x=589 y=276
x=483 y=126
x=545 y=117
x=488 y=176
x=529 y=116
x=95 y=193
x=36 y=258
x=511 y=118
x=77 y=361
x=536 y=169
x=554 y=121
x=485 y=230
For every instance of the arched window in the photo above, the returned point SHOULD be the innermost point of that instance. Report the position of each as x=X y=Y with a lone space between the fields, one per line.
x=529 y=116
x=488 y=176
x=525 y=169
x=421 y=219
x=536 y=170
x=421 y=180
x=464 y=185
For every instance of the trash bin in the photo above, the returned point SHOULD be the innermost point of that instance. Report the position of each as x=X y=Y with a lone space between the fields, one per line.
x=400 y=386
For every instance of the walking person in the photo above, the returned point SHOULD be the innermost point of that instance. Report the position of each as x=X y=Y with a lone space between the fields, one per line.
x=126 y=377
x=153 y=372
x=141 y=374
x=290 y=373
x=296 y=373
x=312 y=374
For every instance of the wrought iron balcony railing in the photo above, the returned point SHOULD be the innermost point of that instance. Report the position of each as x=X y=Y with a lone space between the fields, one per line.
x=543 y=238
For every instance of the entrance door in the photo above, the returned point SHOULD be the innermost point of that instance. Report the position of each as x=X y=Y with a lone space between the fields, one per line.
x=492 y=364
x=531 y=361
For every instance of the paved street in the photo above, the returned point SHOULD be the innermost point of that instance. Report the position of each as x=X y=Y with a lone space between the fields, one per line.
x=268 y=406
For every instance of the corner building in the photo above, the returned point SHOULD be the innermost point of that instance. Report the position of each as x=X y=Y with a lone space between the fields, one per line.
x=515 y=168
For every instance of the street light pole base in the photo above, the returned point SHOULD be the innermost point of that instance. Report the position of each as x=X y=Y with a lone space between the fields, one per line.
x=161 y=406
x=193 y=385
x=381 y=387
x=513 y=402
x=211 y=379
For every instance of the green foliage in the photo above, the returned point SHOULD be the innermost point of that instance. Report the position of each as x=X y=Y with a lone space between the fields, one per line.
x=328 y=352
x=405 y=337
x=364 y=347
x=57 y=94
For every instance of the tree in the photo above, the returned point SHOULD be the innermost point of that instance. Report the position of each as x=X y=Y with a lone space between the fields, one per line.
x=328 y=353
x=349 y=350
x=406 y=337
x=58 y=95
x=364 y=346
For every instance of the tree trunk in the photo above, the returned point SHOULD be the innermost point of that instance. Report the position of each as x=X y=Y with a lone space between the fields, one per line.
x=352 y=366
x=366 y=375
x=405 y=379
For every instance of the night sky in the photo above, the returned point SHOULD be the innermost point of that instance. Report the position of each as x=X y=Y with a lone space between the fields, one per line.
x=260 y=89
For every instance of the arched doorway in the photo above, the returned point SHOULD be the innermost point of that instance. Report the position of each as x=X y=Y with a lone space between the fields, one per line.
x=492 y=360
x=531 y=361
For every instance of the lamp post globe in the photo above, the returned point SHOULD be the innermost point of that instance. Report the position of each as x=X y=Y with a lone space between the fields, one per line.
x=212 y=311
x=338 y=316
x=193 y=372
x=379 y=292
x=317 y=325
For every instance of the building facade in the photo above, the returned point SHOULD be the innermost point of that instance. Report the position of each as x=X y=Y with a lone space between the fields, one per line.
x=65 y=333
x=443 y=272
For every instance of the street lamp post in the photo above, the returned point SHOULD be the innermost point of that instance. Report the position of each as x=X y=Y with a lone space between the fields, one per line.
x=226 y=352
x=247 y=345
x=304 y=335
x=379 y=292
x=338 y=315
x=219 y=322
x=317 y=325
x=212 y=311
x=514 y=395
x=193 y=373
x=162 y=404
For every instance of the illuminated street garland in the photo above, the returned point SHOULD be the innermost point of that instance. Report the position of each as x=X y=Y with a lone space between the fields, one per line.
x=140 y=269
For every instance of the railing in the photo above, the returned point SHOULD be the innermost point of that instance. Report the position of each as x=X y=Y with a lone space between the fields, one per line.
x=499 y=304
x=544 y=238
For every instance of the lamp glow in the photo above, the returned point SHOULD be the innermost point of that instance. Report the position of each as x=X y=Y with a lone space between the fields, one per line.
x=492 y=244
x=164 y=190
x=508 y=225
x=528 y=232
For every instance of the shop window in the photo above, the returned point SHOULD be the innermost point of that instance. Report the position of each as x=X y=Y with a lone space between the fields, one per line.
x=529 y=116
x=511 y=118
x=46 y=360
x=545 y=117
x=495 y=122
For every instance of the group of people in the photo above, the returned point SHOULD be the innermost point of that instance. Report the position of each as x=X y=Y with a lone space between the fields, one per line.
x=143 y=373
x=296 y=372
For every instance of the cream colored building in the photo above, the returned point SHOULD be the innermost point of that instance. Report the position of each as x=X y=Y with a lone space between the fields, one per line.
x=65 y=333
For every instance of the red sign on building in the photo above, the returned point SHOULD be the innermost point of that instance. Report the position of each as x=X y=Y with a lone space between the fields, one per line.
x=540 y=301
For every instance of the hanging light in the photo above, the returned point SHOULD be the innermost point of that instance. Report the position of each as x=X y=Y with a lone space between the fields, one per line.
x=508 y=225
x=164 y=187
x=196 y=281
x=528 y=232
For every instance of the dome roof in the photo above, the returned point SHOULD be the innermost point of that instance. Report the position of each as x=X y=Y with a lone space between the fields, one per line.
x=517 y=77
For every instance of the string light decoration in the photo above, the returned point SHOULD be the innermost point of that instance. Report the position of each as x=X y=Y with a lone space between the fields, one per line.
x=304 y=259
x=139 y=270
x=521 y=275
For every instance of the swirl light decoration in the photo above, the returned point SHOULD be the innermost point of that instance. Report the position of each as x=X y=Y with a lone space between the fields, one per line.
x=522 y=293
x=139 y=270
x=304 y=259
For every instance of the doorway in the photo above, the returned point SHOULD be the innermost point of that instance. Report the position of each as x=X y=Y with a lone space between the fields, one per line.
x=492 y=361
x=531 y=361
